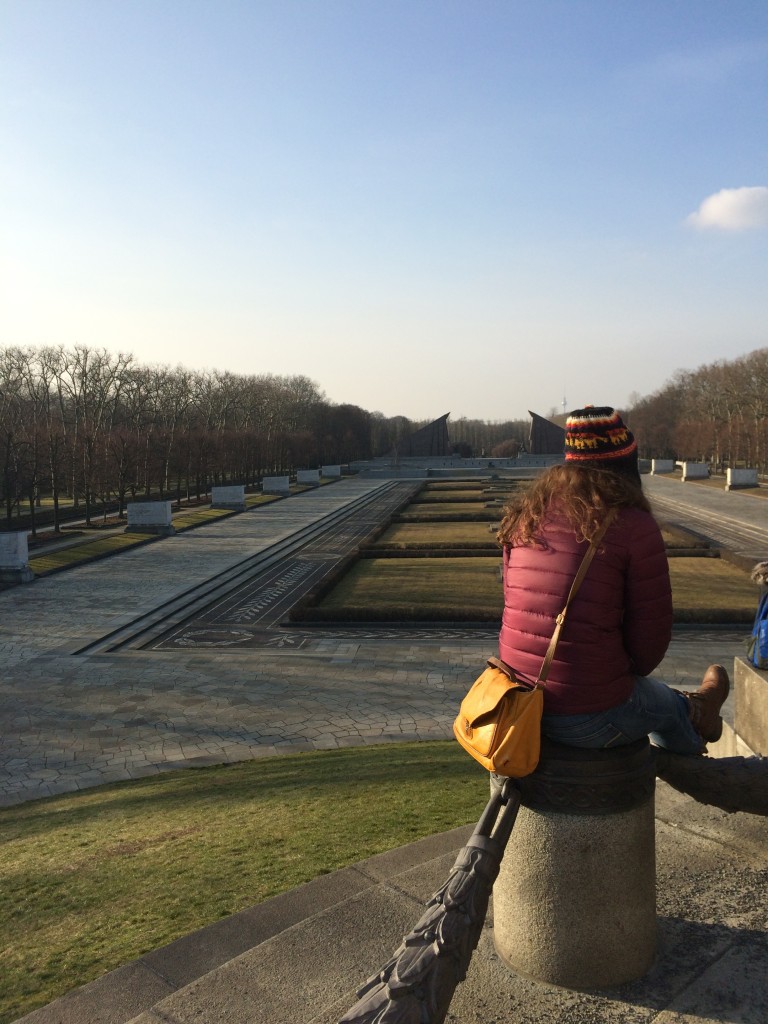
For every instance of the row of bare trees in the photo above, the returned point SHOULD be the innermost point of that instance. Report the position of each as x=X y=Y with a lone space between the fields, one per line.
x=96 y=427
x=717 y=414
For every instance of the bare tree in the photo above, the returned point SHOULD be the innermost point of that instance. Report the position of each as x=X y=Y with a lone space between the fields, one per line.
x=11 y=428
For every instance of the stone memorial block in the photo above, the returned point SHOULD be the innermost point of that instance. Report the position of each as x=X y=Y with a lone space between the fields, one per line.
x=229 y=497
x=308 y=476
x=750 y=687
x=276 y=485
x=735 y=478
x=329 y=472
x=583 y=849
x=695 y=470
x=150 y=517
x=14 y=559
x=662 y=466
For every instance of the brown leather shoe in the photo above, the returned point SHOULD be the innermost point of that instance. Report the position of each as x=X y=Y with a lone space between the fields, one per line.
x=704 y=705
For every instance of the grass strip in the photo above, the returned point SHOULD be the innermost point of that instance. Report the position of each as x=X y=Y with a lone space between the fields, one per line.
x=465 y=589
x=434 y=514
x=260 y=499
x=93 y=880
x=67 y=558
x=718 y=482
x=711 y=590
x=402 y=535
x=189 y=520
x=444 y=507
x=454 y=485
x=451 y=498
x=417 y=588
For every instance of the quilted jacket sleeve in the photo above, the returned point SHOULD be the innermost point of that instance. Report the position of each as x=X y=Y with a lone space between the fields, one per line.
x=620 y=622
x=647 y=626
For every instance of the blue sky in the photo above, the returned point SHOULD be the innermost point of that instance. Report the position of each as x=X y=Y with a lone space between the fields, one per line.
x=470 y=205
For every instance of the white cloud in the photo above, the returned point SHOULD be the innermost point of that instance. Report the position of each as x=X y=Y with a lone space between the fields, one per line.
x=733 y=209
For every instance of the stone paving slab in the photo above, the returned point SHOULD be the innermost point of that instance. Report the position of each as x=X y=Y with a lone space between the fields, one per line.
x=69 y=723
x=90 y=600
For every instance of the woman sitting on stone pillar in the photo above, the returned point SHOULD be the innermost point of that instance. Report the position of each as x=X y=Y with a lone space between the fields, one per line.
x=599 y=692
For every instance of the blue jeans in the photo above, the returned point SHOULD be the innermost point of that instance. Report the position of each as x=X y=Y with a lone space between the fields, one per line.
x=653 y=709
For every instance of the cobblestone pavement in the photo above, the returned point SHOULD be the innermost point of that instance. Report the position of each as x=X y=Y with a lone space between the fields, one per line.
x=71 y=722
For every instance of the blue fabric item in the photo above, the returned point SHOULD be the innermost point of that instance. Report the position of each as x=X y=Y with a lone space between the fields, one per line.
x=758 y=645
x=653 y=708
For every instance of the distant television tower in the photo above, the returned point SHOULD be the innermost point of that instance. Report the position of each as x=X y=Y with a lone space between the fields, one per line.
x=565 y=405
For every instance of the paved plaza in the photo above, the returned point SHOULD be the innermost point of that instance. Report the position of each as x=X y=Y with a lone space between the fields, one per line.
x=76 y=720
x=71 y=721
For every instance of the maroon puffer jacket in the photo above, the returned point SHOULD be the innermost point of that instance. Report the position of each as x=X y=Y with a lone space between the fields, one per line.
x=618 y=626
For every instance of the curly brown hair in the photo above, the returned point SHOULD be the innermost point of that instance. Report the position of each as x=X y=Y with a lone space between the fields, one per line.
x=581 y=495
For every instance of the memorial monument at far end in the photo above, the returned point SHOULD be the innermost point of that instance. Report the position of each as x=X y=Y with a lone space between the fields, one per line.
x=431 y=441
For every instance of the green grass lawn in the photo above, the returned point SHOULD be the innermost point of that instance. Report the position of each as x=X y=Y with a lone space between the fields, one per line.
x=718 y=482
x=260 y=499
x=449 y=497
x=93 y=880
x=403 y=534
x=461 y=589
x=66 y=558
x=437 y=512
x=461 y=507
x=418 y=588
x=454 y=485
x=711 y=590
x=199 y=517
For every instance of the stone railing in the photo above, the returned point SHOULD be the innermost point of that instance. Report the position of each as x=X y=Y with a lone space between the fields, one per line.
x=585 y=833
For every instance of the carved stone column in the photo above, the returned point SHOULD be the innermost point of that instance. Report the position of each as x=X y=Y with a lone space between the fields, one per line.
x=575 y=899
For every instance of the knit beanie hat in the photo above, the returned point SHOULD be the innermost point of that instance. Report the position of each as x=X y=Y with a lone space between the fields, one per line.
x=597 y=436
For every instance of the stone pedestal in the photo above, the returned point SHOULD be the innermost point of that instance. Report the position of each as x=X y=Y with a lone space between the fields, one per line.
x=150 y=517
x=276 y=485
x=695 y=470
x=575 y=900
x=229 y=497
x=738 y=478
x=14 y=559
x=308 y=476
x=750 y=686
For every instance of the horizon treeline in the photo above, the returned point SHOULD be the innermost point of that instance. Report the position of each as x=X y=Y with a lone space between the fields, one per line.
x=85 y=424
x=716 y=414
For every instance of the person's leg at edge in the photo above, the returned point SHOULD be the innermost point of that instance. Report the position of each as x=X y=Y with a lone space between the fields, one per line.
x=665 y=714
x=680 y=722
x=704 y=705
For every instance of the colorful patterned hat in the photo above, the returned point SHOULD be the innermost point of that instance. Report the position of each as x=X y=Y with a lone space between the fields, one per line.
x=597 y=436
